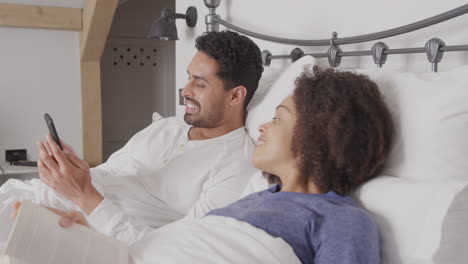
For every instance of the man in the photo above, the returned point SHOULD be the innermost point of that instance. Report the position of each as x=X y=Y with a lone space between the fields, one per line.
x=169 y=170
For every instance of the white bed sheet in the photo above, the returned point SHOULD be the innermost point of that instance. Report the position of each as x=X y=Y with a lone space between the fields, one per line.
x=214 y=239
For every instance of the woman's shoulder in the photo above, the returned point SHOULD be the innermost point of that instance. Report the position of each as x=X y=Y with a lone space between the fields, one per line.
x=346 y=213
x=346 y=232
x=344 y=206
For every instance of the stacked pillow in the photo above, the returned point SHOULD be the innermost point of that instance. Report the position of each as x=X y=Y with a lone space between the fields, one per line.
x=430 y=112
x=422 y=211
x=420 y=201
x=262 y=107
x=420 y=221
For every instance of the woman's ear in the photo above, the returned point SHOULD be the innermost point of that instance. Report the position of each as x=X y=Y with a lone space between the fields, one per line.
x=238 y=95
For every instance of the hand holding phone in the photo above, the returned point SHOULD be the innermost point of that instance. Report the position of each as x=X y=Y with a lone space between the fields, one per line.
x=52 y=130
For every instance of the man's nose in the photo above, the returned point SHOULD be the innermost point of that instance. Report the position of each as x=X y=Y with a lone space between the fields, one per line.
x=187 y=91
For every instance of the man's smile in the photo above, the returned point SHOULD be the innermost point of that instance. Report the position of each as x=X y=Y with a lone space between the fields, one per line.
x=191 y=108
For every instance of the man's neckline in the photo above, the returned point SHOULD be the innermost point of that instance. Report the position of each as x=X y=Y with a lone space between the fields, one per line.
x=238 y=131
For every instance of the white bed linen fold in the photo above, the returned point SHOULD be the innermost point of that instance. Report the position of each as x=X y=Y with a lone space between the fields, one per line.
x=213 y=239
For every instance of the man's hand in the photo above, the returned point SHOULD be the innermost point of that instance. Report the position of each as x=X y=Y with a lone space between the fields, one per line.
x=67 y=220
x=67 y=174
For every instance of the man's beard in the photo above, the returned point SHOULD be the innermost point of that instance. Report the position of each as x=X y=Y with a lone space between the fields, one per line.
x=210 y=120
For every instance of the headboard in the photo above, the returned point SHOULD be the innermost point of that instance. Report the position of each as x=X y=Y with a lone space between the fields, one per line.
x=434 y=48
x=420 y=201
x=305 y=19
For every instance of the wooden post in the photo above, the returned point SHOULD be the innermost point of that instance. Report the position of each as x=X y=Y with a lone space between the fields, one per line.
x=97 y=20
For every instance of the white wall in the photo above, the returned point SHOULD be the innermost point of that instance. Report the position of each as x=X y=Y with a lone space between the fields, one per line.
x=39 y=72
x=313 y=19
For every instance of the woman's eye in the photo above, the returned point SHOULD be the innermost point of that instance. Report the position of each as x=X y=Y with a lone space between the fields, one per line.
x=275 y=119
x=201 y=85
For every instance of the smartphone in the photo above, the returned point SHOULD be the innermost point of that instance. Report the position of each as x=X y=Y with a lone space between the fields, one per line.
x=52 y=130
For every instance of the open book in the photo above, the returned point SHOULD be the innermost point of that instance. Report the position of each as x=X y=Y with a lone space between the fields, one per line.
x=37 y=238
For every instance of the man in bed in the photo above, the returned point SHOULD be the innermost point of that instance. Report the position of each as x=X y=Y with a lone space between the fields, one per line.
x=171 y=169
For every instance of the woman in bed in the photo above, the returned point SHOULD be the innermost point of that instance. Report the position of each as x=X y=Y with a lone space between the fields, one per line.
x=329 y=137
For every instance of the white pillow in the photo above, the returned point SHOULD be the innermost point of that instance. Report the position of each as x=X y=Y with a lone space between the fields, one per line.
x=256 y=183
x=269 y=76
x=262 y=109
x=430 y=111
x=419 y=221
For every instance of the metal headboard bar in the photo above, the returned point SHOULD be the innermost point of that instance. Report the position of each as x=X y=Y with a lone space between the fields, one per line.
x=213 y=18
x=434 y=57
x=455 y=48
x=434 y=48
x=369 y=52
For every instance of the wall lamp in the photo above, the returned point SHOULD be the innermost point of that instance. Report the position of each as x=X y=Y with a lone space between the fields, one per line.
x=164 y=27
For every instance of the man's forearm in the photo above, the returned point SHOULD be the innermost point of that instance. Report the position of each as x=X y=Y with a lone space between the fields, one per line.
x=89 y=201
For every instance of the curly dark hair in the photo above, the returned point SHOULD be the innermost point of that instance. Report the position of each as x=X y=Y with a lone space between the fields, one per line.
x=344 y=129
x=239 y=59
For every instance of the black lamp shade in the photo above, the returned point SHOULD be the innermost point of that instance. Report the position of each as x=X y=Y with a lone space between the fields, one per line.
x=164 y=27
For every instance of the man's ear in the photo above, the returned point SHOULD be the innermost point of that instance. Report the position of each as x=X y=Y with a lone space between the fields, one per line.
x=238 y=95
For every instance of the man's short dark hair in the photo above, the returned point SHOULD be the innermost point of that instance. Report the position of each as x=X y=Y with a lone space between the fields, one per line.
x=239 y=59
x=343 y=131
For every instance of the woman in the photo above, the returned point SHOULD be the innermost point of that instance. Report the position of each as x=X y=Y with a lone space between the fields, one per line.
x=329 y=137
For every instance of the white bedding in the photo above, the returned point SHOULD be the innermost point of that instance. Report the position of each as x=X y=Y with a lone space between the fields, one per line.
x=214 y=239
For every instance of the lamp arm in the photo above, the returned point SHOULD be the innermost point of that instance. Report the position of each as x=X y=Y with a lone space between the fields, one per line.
x=190 y=16
x=177 y=15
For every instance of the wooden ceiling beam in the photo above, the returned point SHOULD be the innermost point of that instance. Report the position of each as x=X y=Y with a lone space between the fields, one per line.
x=47 y=17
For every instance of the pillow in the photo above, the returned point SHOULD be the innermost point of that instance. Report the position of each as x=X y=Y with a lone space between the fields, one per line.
x=430 y=111
x=269 y=76
x=256 y=183
x=419 y=221
x=262 y=109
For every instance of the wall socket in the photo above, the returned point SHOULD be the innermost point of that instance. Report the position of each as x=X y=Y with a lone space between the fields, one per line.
x=12 y=155
x=181 y=98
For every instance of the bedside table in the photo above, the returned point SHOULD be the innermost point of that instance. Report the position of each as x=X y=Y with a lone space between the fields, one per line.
x=18 y=172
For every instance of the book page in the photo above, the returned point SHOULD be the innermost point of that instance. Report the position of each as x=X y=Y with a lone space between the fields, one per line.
x=6 y=224
x=37 y=238
x=11 y=260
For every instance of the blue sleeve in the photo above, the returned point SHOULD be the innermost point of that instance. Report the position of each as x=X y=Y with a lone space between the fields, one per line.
x=348 y=239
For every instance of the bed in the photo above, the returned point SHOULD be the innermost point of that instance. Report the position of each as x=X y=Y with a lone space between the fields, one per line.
x=420 y=201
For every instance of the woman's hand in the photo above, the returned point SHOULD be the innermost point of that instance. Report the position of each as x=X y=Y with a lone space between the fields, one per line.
x=67 y=218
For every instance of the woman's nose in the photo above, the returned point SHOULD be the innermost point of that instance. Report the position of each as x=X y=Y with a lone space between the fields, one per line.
x=262 y=128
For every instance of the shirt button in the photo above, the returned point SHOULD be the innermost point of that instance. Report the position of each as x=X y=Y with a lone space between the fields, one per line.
x=165 y=161
x=182 y=145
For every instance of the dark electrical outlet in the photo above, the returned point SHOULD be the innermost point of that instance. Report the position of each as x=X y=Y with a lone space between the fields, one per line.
x=12 y=155
x=181 y=98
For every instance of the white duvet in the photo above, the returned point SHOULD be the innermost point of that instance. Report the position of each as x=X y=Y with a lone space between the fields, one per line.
x=213 y=239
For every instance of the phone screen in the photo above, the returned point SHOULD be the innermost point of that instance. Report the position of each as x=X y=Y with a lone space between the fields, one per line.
x=52 y=130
